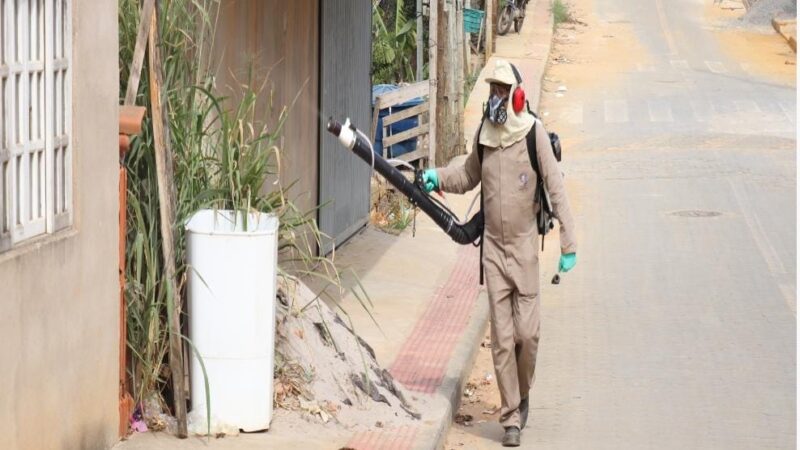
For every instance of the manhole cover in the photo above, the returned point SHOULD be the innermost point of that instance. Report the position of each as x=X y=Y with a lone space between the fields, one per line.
x=696 y=213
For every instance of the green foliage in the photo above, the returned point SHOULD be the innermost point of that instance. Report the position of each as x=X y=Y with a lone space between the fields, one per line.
x=393 y=47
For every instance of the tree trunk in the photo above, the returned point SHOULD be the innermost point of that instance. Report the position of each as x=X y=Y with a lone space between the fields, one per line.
x=450 y=81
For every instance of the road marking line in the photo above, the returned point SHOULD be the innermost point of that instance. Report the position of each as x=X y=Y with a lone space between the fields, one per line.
x=788 y=112
x=642 y=67
x=757 y=232
x=702 y=110
x=747 y=106
x=680 y=64
x=659 y=110
x=662 y=20
x=616 y=111
x=722 y=106
x=790 y=296
x=716 y=67
x=573 y=114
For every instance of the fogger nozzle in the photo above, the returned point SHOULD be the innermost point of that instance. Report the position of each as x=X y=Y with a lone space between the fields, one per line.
x=354 y=140
x=334 y=127
x=345 y=132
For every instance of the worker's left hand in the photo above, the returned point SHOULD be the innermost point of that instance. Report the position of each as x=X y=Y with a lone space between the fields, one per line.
x=567 y=262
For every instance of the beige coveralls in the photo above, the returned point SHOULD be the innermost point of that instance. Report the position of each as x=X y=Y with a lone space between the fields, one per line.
x=511 y=260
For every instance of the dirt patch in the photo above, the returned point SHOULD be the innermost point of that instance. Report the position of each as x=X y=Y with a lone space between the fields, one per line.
x=390 y=210
x=585 y=55
x=476 y=421
x=766 y=54
x=607 y=49
x=747 y=40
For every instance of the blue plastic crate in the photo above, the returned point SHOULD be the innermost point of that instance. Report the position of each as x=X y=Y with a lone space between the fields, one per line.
x=399 y=148
x=472 y=20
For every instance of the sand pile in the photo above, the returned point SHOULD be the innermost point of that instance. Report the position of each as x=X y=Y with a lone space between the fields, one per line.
x=763 y=11
x=328 y=374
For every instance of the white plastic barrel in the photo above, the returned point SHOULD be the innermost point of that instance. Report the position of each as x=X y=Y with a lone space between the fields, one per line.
x=232 y=282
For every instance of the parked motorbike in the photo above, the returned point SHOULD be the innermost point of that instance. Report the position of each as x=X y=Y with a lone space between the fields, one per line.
x=513 y=12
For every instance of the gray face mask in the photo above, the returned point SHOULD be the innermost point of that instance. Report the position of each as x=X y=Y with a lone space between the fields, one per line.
x=496 y=110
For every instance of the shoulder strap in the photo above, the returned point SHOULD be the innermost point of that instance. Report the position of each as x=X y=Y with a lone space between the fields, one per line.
x=480 y=162
x=480 y=146
x=531 y=143
x=530 y=111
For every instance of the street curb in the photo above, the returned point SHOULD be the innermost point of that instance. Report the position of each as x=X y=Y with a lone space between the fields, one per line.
x=456 y=374
x=788 y=30
x=434 y=435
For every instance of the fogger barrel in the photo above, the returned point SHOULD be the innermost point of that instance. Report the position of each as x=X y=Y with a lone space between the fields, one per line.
x=467 y=233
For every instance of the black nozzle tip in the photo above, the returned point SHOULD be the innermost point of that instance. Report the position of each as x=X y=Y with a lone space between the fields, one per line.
x=334 y=127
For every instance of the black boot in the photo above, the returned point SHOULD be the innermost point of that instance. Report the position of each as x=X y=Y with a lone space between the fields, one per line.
x=511 y=438
x=523 y=412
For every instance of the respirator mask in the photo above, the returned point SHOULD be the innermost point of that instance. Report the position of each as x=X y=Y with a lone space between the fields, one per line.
x=496 y=109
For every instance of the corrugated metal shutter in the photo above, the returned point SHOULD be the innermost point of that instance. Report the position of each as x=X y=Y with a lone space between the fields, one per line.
x=345 y=91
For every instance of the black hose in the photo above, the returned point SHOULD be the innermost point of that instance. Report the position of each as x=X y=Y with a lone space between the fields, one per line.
x=463 y=234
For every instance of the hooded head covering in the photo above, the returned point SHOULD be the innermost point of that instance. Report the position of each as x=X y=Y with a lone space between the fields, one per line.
x=517 y=125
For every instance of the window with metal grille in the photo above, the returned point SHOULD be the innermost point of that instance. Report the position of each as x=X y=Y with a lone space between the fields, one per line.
x=35 y=123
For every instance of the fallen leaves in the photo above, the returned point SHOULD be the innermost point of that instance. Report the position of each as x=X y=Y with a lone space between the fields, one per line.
x=470 y=389
x=289 y=385
x=464 y=419
x=313 y=409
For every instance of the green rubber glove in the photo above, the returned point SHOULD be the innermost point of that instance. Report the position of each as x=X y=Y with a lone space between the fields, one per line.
x=567 y=262
x=430 y=180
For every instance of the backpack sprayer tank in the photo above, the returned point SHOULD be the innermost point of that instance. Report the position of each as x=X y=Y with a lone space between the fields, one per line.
x=354 y=140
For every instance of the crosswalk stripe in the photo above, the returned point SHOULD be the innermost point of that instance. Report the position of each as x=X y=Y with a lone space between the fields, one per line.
x=642 y=67
x=723 y=106
x=789 y=112
x=659 y=110
x=680 y=64
x=573 y=114
x=616 y=111
x=747 y=106
x=702 y=110
x=716 y=67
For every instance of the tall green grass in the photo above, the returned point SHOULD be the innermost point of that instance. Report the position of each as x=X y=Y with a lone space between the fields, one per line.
x=223 y=155
x=561 y=13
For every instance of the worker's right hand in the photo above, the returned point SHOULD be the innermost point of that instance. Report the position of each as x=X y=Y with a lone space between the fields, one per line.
x=430 y=180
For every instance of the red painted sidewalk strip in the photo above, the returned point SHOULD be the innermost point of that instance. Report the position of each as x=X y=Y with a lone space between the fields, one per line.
x=421 y=363
x=422 y=360
x=388 y=439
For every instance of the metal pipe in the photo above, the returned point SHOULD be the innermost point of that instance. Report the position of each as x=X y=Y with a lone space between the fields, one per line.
x=353 y=140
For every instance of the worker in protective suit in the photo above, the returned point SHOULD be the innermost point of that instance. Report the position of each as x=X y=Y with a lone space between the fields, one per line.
x=510 y=260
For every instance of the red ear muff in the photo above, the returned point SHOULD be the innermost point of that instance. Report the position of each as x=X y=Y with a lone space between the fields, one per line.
x=518 y=99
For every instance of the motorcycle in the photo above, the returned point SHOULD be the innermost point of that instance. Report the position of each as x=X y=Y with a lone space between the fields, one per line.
x=513 y=12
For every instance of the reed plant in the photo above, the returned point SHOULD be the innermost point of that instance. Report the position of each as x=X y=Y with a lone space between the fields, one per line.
x=223 y=156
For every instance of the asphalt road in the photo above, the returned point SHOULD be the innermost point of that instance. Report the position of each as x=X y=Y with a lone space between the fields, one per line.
x=677 y=329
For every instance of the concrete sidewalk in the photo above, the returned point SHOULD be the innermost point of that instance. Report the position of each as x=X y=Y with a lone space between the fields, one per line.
x=424 y=288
